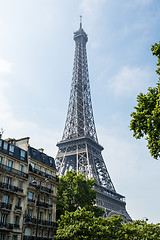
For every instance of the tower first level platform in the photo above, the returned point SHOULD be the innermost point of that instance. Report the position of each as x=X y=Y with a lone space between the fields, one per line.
x=84 y=155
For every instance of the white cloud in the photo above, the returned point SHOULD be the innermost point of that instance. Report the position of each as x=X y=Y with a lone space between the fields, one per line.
x=129 y=81
x=5 y=66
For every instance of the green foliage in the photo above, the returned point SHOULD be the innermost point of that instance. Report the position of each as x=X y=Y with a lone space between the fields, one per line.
x=75 y=192
x=146 y=117
x=83 y=224
x=156 y=52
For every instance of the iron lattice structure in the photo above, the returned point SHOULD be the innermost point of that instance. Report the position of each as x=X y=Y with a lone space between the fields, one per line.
x=79 y=148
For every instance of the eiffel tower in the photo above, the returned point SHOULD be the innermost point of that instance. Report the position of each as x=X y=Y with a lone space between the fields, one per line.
x=79 y=148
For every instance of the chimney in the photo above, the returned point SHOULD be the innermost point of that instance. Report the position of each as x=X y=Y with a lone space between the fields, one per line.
x=41 y=150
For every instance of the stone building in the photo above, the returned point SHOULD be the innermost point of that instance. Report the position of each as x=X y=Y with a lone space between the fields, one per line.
x=28 y=192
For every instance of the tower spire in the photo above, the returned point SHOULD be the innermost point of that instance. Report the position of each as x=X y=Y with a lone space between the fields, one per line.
x=80 y=22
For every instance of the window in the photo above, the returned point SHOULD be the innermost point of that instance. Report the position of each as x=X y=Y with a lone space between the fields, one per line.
x=22 y=154
x=5 y=199
x=33 y=165
x=51 y=173
x=9 y=165
x=27 y=231
x=16 y=220
x=31 y=196
x=49 y=217
x=33 y=153
x=18 y=202
x=21 y=168
x=50 y=161
x=1 y=161
x=50 y=201
x=40 y=215
x=31 y=179
x=43 y=158
x=30 y=213
x=45 y=184
x=14 y=237
x=2 y=236
x=0 y=143
x=40 y=168
x=7 y=180
x=20 y=184
x=44 y=199
x=51 y=186
x=3 y=218
x=5 y=145
x=48 y=234
x=11 y=149
x=42 y=234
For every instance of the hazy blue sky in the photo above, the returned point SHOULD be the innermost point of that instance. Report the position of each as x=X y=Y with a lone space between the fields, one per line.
x=36 y=59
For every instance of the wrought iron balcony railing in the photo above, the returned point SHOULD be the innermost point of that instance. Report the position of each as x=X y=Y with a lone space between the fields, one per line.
x=16 y=225
x=34 y=238
x=6 y=206
x=31 y=200
x=10 y=187
x=5 y=168
x=4 y=225
x=43 y=204
x=41 y=188
x=18 y=207
x=31 y=220
x=49 y=176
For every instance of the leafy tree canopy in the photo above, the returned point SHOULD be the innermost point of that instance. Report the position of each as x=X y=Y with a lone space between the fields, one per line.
x=75 y=192
x=146 y=117
x=83 y=224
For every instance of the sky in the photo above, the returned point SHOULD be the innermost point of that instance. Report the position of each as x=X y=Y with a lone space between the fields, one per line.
x=36 y=60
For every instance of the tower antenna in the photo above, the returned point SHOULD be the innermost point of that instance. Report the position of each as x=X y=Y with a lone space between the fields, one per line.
x=80 y=22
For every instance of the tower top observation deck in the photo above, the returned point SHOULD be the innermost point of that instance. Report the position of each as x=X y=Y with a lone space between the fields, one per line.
x=80 y=36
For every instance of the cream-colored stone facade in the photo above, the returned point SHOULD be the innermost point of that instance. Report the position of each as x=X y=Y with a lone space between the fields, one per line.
x=28 y=192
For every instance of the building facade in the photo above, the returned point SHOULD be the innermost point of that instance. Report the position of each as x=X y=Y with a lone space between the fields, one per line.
x=28 y=192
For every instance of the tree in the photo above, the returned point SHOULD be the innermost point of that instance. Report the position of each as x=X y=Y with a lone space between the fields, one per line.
x=146 y=117
x=75 y=192
x=83 y=224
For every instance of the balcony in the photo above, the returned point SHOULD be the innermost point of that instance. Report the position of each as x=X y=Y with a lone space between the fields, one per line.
x=7 y=226
x=6 y=206
x=18 y=208
x=42 y=204
x=31 y=200
x=16 y=225
x=45 y=189
x=10 y=187
x=5 y=168
x=41 y=188
x=34 y=238
x=30 y=220
x=34 y=170
x=47 y=223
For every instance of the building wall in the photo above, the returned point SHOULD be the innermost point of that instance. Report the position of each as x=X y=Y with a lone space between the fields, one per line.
x=28 y=192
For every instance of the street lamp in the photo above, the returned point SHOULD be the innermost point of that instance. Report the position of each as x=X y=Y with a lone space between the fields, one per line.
x=34 y=182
